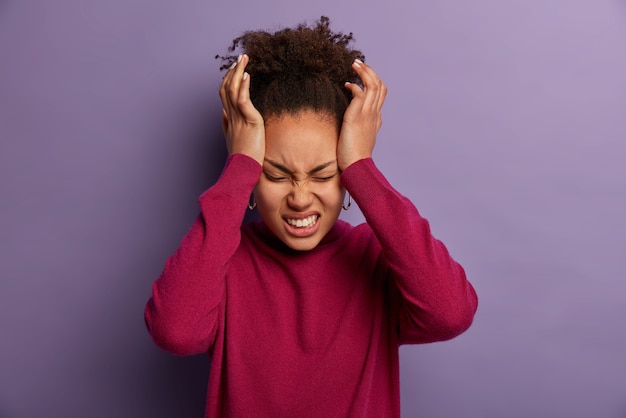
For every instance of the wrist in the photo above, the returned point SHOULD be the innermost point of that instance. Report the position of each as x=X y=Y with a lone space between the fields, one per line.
x=345 y=164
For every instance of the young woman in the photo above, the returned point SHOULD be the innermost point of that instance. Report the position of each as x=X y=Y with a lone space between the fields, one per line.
x=302 y=314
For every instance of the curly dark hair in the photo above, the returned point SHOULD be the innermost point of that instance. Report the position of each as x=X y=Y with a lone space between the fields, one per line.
x=299 y=68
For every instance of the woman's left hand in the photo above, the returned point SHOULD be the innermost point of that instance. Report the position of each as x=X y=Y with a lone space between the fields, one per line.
x=362 y=118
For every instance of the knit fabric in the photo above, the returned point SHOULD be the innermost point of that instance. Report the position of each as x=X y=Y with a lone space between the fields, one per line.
x=313 y=333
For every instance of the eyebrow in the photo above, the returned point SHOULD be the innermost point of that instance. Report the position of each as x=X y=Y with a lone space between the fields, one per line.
x=289 y=171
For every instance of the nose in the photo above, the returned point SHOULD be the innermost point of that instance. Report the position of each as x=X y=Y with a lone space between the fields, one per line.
x=300 y=197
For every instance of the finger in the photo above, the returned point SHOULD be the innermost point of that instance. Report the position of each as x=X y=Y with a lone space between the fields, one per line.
x=227 y=76
x=224 y=87
x=230 y=84
x=234 y=85
x=355 y=89
x=365 y=72
x=372 y=85
x=244 y=103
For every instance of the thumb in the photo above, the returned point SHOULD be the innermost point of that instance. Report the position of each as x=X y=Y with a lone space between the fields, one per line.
x=355 y=89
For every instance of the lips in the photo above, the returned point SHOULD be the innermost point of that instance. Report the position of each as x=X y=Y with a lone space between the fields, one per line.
x=302 y=226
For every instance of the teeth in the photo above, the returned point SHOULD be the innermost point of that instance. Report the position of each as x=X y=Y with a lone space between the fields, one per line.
x=301 y=223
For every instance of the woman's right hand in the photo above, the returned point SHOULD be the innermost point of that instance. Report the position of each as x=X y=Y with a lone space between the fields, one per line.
x=242 y=123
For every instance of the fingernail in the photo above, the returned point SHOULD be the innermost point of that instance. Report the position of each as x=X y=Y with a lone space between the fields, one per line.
x=358 y=61
x=232 y=65
x=239 y=58
x=245 y=75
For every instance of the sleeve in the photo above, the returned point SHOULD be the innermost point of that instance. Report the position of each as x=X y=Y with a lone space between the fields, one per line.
x=435 y=302
x=182 y=314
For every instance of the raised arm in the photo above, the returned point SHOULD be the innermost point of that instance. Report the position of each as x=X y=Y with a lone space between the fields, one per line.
x=435 y=300
x=182 y=313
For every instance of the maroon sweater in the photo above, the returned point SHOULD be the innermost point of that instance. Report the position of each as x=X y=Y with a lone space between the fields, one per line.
x=307 y=334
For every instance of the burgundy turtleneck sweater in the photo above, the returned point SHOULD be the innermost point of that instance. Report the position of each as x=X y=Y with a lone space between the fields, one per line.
x=307 y=334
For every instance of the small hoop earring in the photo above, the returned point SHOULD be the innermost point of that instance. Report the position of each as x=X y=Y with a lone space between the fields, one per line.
x=252 y=203
x=346 y=207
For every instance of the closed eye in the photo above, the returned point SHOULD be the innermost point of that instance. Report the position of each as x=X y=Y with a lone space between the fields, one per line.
x=272 y=178
x=324 y=178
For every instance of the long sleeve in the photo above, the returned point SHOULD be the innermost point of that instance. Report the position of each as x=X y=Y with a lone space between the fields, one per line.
x=436 y=302
x=182 y=314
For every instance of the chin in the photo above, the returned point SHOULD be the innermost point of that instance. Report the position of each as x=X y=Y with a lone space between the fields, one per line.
x=301 y=244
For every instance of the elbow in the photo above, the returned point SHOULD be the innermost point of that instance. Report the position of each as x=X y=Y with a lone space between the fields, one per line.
x=460 y=314
x=455 y=324
x=459 y=318
x=427 y=326
x=173 y=338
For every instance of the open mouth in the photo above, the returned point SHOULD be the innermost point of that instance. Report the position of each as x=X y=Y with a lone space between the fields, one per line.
x=303 y=223
x=302 y=227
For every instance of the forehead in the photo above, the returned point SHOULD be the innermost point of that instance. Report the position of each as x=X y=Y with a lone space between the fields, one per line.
x=301 y=141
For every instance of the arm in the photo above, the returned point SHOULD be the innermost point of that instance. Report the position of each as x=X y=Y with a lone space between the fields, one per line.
x=436 y=302
x=181 y=315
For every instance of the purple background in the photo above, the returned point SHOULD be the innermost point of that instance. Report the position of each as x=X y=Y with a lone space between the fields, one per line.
x=505 y=123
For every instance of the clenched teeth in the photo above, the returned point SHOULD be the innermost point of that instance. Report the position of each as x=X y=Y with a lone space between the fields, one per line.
x=302 y=223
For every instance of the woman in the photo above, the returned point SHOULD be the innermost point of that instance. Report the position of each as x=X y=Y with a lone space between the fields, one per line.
x=302 y=313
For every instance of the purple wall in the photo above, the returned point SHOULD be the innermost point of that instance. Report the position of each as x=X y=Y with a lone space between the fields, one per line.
x=505 y=123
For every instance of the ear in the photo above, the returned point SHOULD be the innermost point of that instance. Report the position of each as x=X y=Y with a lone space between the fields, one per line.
x=224 y=121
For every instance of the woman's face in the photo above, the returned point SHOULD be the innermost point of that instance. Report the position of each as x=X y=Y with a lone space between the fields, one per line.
x=299 y=195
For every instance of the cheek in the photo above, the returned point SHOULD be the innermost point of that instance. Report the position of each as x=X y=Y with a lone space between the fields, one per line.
x=332 y=196
x=268 y=196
